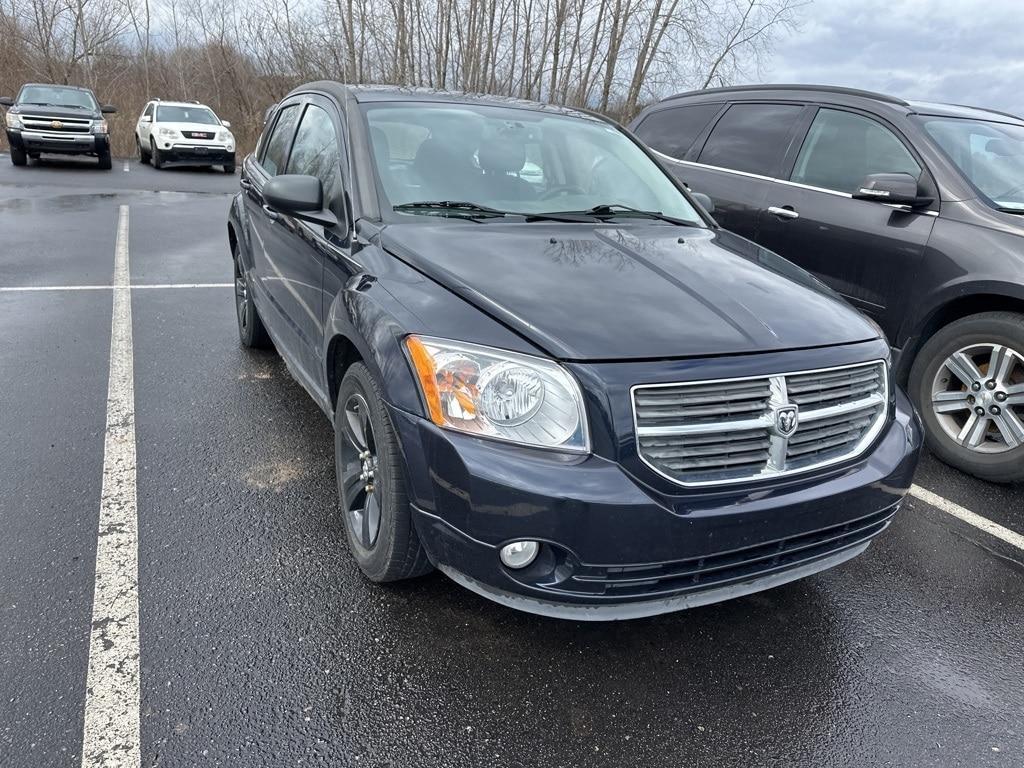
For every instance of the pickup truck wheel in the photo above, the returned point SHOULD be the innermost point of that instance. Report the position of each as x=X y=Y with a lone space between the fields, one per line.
x=251 y=331
x=371 y=483
x=229 y=169
x=158 y=161
x=968 y=384
x=18 y=156
x=105 y=161
x=143 y=154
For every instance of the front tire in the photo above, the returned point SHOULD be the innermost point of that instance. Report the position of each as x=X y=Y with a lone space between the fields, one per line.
x=251 y=331
x=18 y=157
x=143 y=154
x=158 y=161
x=105 y=161
x=968 y=385
x=371 y=483
x=229 y=169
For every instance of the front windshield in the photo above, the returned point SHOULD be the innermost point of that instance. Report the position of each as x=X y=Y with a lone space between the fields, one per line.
x=56 y=96
x=514 y=160
x=201 y=115
x=989 y=154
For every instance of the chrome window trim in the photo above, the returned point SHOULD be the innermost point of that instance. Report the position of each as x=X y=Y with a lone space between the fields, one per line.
x=777 y=445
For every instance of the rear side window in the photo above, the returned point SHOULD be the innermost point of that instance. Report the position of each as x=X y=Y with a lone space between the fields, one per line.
x=315 y=153
x=842 y=148
x=752 y=138
x=276 y=153
x=672 y=131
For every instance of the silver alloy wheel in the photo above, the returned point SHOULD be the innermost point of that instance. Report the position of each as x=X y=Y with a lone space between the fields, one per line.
x=359 y=472
x=978 y=397
x=241 y=296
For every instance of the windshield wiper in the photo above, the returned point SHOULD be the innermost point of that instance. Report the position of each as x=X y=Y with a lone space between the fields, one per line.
x=608 y=210
x=460 y=206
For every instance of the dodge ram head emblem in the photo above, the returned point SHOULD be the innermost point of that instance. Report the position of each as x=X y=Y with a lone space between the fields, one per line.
x=56 y=125
x=787 y=417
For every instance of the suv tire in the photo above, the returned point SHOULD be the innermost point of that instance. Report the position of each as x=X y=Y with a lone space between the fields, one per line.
x=964 y=343
x=251 y=331
x=143 y=154
x=158 y=161
x=18 y=156
x=375 y=507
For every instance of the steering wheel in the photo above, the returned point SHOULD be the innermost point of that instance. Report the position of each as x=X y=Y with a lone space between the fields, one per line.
x=562 y=189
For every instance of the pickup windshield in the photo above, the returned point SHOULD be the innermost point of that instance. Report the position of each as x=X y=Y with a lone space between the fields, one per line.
x=57 y=96
x=510 y=160
x=989 y=154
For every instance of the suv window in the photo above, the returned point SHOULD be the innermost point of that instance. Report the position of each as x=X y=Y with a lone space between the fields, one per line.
x=148 y=111
x=672 y=131
x=751 y=138
x=276 y=153
x=315 y=153
x=842 y=148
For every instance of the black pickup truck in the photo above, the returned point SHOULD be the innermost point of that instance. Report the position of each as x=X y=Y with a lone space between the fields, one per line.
x=56 y=119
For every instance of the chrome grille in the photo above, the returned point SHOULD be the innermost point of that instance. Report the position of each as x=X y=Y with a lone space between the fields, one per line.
x=72 y=125
x=733 y=430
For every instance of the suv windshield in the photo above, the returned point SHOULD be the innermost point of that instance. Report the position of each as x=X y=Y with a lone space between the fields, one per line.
x=485 y=160
x=56 y=96
x=200 y=115
x=989 y=154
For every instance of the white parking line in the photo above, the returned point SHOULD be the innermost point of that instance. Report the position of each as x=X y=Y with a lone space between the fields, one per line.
x=111 y=734
x=31 y=288
x=971 y=518
x=127 y=166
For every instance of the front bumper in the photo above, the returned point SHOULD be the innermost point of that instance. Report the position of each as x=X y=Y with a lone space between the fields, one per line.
x=616 y=547
x=58 y=143
x=197 y=154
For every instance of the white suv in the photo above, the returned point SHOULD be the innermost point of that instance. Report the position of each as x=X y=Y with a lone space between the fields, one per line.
x=184 y=133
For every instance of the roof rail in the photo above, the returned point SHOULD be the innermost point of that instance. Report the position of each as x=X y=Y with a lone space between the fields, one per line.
x=796 y=87
x=986 y=109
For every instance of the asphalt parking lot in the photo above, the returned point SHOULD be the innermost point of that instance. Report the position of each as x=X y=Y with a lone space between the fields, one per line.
x=259 y=642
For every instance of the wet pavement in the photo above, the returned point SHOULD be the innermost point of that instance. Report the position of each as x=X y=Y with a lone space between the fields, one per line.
x=262 y=645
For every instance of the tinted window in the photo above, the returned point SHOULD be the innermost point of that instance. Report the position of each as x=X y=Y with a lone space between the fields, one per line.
x=751 y=138
x=842 y=148
x=200 y=115
x=672 y=131
x=277 y=146
x=315 y=152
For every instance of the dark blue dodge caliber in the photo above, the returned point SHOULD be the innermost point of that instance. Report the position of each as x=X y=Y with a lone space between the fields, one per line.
x=550 y=374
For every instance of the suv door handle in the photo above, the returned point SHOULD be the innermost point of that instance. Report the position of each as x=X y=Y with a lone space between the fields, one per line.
x=271 y=213
x=785 y=212
x=245 y=183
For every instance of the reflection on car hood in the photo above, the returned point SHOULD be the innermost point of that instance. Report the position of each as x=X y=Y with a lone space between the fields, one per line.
x=57 y=113
x=640 y=291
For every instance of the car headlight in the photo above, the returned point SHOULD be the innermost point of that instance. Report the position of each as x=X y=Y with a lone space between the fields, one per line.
x=224 y=136
x=498 y=394
x=99 y=126
x=13 y=120
x=169 y=133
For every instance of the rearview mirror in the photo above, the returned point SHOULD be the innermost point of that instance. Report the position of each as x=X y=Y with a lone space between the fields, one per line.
x=108 y=109
x=225 y=123
x=7 y=101
x=893 y=188
x=299 y=196
x=704 y=201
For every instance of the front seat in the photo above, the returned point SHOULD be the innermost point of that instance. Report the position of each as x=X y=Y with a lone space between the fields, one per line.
x=501 y=162
x=443 y=173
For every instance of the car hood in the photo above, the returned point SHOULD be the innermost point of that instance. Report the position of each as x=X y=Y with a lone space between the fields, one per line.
x=633 y=292
x=57 y=113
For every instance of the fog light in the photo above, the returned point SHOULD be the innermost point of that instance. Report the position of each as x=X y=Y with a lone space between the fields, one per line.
x=519 y=554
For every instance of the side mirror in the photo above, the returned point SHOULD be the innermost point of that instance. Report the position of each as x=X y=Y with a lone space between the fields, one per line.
x=704 y=201
x=299 y=196
x=893 y=188
x=146 y=119
x=108 y=109
x=225 y=123
x=6 y=101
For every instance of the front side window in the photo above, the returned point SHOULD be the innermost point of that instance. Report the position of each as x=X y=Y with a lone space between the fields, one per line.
x=201 y=115
x=56 y=96
x=315 y=153
x=989 y=154
x=148 y=111
x=276 y=153
x=752 y=138
x=672 y=131
x=842 y=148
x=513 y=160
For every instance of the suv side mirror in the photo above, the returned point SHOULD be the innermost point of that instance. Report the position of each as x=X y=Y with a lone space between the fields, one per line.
x=225 y=123
x=6 y=101
x=145 y=118
x=299 y=196
x=108 y=109
x=704 y=201
x=894 y=188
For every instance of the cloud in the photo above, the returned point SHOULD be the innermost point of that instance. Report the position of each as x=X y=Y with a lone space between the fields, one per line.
x=965 y=52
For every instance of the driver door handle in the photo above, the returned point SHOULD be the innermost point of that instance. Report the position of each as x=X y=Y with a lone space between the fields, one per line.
x=785 y=212
x=245 y=184
x=271 y=213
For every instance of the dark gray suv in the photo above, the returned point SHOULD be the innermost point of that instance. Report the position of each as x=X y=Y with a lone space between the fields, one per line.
x=912 y=211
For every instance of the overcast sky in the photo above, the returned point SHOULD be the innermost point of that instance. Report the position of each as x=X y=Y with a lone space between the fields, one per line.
x=960 y=51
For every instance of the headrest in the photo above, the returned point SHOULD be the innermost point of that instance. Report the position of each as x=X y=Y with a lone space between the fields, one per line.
x=502 y=156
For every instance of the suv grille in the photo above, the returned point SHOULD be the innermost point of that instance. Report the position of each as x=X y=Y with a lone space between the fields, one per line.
x=70 y=125
x=752 y=428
